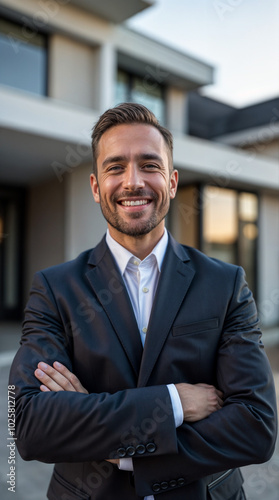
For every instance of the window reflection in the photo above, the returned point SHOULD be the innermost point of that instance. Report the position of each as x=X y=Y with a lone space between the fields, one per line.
x=248 y=207
x=223 y=223
x=23 y=58
x=220 y=223
x=136 y=89
x=230 y=228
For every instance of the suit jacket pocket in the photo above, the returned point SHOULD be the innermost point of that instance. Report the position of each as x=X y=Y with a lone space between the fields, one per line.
x=198 y=327
x=59 y=488
x=226 y=486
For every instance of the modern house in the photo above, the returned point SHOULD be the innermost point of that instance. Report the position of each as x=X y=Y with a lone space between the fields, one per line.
x=63 y=62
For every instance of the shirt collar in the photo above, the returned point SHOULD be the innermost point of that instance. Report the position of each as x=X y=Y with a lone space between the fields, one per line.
x=123 y=256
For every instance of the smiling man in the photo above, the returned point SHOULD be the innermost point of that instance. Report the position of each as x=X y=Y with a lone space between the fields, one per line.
x=134 y=184
x=141 y=372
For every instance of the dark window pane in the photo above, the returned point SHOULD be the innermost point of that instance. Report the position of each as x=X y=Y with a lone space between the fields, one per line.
x=220 y=223
x=136 y=89
x=122 y=87
x=22 y=58
x=150 y=95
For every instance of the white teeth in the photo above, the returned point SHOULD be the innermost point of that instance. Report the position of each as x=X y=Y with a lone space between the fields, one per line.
x=134 y=203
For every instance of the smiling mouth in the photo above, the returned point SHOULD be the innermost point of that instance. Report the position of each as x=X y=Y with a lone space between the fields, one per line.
x=134 y=203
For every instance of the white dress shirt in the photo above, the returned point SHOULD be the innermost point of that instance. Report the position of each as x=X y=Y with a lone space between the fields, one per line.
x=141 y=279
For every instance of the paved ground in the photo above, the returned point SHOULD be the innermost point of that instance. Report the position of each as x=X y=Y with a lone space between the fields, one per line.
x=32 y=478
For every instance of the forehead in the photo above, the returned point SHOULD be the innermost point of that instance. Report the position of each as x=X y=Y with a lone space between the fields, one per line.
x=131 y=139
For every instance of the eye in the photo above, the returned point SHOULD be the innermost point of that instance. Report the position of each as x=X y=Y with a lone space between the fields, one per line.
x=115 y=168
x=151 y=166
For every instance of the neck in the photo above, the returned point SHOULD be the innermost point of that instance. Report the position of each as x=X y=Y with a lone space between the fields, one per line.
x=139 y=246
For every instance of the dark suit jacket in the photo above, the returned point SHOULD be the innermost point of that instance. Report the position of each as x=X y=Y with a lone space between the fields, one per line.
x=203 y=328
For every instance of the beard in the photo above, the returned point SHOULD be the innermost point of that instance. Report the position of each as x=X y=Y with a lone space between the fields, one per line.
x=135 y=227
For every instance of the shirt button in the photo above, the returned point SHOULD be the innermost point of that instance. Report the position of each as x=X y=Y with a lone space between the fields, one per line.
x=136 y=262
x=144 y=329
x=145 y=290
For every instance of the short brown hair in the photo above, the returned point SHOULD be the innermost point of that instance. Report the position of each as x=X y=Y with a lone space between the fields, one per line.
x=127 y=112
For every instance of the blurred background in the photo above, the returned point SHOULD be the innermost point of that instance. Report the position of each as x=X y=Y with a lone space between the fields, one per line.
x=210 y=72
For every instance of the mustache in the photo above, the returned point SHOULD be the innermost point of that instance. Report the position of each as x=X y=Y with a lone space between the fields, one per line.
x=140 y=193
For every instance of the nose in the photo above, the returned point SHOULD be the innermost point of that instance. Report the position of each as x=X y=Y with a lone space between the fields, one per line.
x=133 y=178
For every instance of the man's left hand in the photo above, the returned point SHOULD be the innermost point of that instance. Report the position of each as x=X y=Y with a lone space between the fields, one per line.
x=57 y=378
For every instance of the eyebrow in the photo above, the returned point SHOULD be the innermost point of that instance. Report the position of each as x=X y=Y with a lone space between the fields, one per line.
x=142 y=156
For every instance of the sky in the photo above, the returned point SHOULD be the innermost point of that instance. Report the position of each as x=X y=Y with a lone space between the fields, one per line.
x=240 y=38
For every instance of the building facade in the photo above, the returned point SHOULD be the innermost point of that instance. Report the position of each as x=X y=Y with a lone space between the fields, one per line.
x=63 y=63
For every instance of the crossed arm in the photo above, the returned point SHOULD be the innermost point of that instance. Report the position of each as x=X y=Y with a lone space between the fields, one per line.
x=198 y=401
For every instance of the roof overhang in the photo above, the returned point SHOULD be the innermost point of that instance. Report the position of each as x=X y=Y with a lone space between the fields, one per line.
x=111 y=10
x=35 y=150
x=158 y=62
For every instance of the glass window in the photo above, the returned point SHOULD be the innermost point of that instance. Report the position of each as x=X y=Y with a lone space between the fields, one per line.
x=122 y=87
x=11 y=268
x=223 y=223
x=248 y=234
x=220 y=224
x=23 y=58
x=150 y=96
x=136 y=89
x=230 y=228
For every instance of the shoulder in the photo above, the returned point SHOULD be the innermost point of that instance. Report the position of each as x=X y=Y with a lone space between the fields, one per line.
x=78 y=262
x=74 y=269
x=205 y=265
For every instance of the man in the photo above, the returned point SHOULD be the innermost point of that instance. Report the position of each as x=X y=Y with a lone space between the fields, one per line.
x=150 y=377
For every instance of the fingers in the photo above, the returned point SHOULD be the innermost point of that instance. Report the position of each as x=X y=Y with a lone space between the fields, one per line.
x=219 y=394
x=215 y=397
x=57 y=378
x=72 y=379
x=48 y=383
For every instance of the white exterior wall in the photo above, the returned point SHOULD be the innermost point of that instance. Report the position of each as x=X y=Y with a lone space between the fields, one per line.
x=176 y=110
x=73 y=75
x=268 y=262
x=45 y=238
x=84 y=224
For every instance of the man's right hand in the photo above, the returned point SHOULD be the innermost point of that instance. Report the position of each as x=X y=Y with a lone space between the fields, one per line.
x=199 y=400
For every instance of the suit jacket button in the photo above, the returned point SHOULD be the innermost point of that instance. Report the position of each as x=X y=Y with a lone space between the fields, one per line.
x=140 y=449
x=130 y=451
x=151 y=447
x=173 y=483
x=181 y=481
x=164 y=485
x=121 y=452
x=156 y=487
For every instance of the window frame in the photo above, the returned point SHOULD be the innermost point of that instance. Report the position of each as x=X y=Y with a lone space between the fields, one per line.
x=30 y=24
x=131 y=78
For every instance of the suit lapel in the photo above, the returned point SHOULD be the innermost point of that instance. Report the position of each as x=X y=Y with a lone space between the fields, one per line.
x=175 y=279
x=111 y=292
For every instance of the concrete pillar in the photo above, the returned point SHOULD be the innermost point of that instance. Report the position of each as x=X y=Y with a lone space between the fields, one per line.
x=107 y=76
x=176 y=104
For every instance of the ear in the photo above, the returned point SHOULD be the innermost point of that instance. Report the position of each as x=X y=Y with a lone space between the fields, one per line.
x=95 y=188
x=173 y=184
